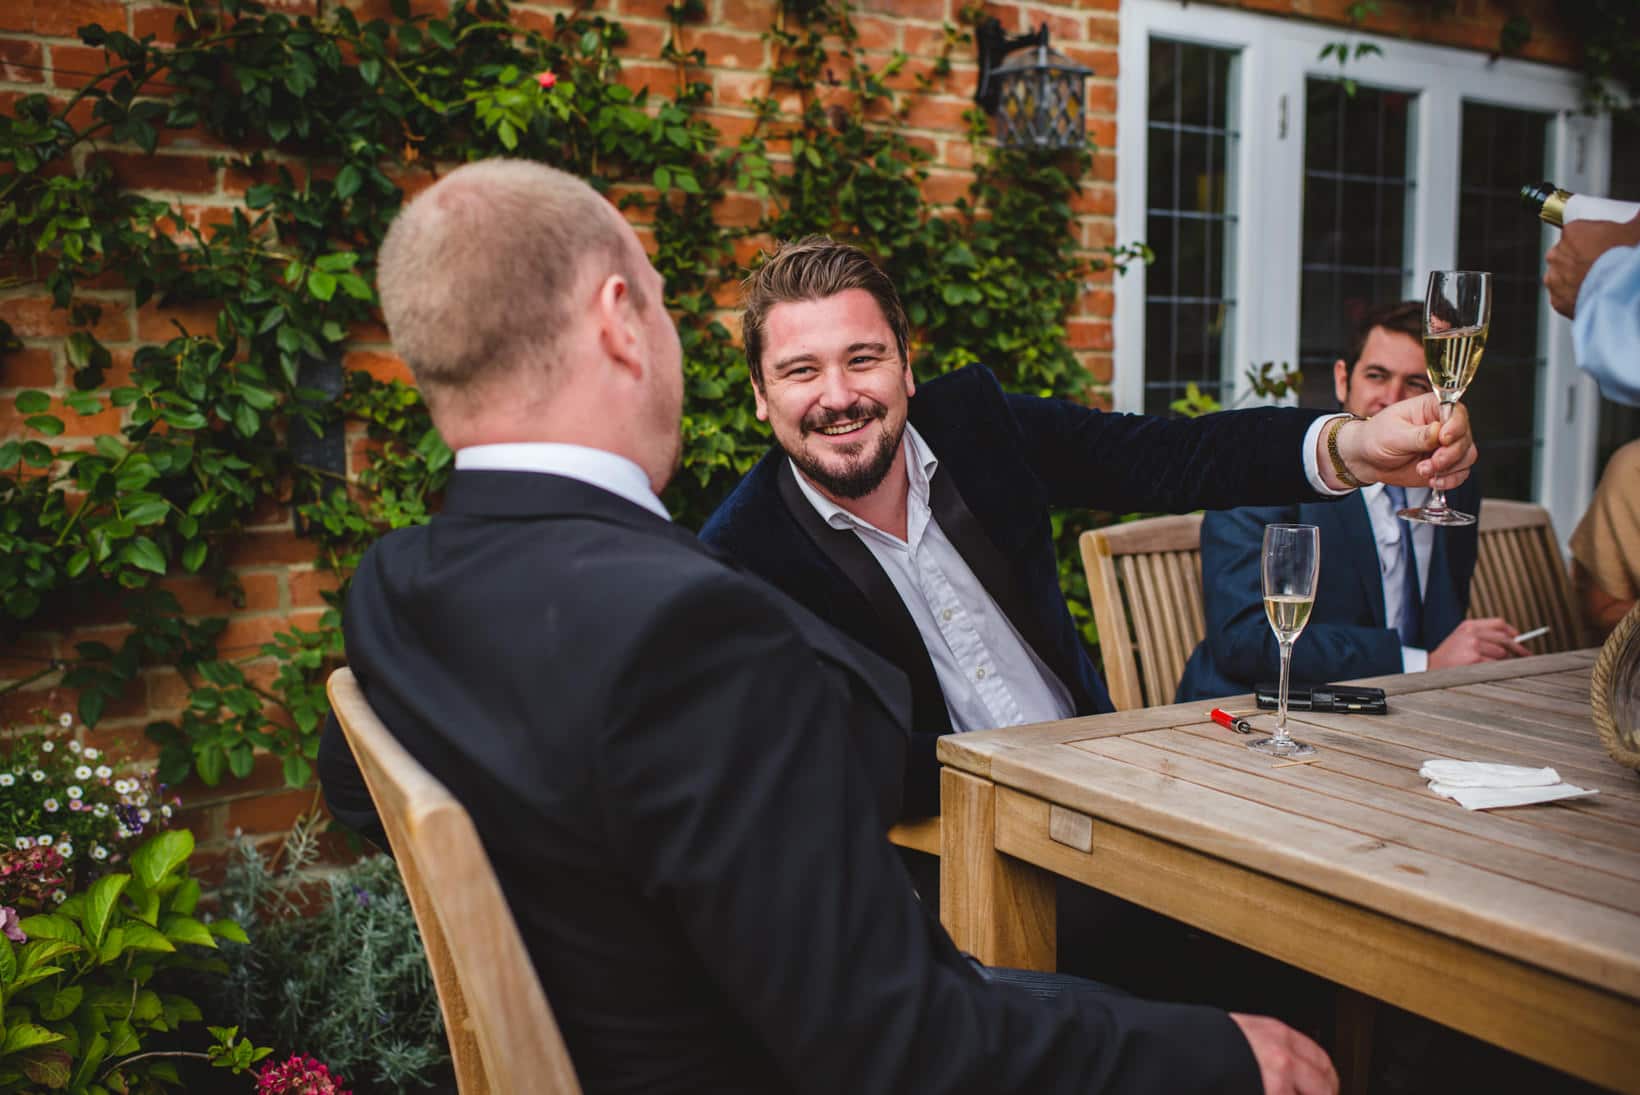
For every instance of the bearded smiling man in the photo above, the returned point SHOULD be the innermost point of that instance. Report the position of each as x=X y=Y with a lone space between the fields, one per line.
x=916 y=517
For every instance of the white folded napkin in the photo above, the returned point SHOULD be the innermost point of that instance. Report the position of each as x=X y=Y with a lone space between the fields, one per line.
x=1477 y=785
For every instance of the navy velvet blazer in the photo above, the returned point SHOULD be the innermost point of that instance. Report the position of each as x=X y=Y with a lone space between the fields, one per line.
x=1005 y=461
x=682 y=780
x=1347 y=635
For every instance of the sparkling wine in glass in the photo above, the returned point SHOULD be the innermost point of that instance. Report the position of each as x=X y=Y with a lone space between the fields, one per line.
x=1291 y=566
x=1457 y=317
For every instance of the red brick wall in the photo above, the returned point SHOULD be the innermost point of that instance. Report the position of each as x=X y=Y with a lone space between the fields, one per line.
x=38 y=51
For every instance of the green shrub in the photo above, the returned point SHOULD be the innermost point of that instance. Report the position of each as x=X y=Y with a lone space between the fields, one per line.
x=85 y=991
x=340 y=974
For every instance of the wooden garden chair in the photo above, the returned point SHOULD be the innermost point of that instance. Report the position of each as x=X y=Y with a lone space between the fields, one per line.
x=502 y=1034
x=1145 y=580
x=1521 y=576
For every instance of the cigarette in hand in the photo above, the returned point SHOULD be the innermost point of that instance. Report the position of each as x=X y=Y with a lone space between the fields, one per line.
x=1532 y=634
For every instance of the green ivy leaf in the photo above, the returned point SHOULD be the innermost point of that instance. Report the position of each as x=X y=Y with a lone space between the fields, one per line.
x=32 y=402
x=227 y=929
x=185 y=929
x=8 y=963
x=48 y=424
x=100 y=900
x=140 y=937
x=193 y=555
x=144 y=554
x=348 y=181
x=323 y=286
x=161 y=855
x=61 y=1004
x=23 y=1036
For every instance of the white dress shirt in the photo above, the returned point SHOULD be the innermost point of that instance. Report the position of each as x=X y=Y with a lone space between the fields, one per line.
x=595 y=467
x=1387 y=530
x=990 y=676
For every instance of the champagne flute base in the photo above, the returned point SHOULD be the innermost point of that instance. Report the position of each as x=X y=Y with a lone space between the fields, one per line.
x=1279 y=747
x=1449 y=518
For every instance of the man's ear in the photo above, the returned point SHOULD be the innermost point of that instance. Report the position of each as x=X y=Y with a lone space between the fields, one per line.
x=760 y=399
x=910 y=382
x=1341 y=381
x=618 y=334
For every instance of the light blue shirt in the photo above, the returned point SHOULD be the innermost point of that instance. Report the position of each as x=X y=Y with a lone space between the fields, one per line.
x=595 y=467
x=1606 y=325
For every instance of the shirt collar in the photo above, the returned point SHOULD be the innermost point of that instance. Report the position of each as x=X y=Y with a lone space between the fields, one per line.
x=595 y=467
x=920 y=464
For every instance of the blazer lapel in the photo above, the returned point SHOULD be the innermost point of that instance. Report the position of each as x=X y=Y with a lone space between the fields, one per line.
x=1352 y=530
x=903 y=641
x=989 y=565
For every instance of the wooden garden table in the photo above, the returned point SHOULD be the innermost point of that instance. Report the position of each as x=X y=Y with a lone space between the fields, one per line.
x=1519 y=926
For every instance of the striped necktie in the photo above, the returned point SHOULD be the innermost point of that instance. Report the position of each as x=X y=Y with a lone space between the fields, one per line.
x=1408 y=616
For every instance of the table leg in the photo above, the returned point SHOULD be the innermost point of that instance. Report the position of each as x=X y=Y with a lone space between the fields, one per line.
x=998 y=909
x=1352 y=1055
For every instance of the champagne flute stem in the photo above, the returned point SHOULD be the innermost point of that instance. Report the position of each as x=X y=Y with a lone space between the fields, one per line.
x=1281 y=703
x=1437 y=498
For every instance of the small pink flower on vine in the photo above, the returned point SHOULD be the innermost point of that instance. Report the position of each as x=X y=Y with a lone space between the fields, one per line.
x=547 y=80
x=11 y=926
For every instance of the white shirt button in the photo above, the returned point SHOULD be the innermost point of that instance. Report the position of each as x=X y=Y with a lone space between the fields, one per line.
x=979 y=674
x=946 y=615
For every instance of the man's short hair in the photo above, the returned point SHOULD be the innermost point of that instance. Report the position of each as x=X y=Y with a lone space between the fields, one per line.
x=477 y=274
x=813 y=268
x=1404 y=317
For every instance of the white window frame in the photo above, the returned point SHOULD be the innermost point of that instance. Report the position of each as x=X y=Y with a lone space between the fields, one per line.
x=1277 y=56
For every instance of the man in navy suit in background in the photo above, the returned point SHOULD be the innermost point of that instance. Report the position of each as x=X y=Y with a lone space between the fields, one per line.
x=916 y=518
x=1392 y=594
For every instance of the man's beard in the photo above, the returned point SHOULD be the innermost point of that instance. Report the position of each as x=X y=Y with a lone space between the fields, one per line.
x=861 y=476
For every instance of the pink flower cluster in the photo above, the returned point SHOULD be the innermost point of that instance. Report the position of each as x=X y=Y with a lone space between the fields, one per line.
x=29 y=876
x=299 y=1075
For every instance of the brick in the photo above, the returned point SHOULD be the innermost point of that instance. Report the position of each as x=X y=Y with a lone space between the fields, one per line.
x=192 y=138
x=157 y=323
x=738 y=211
x=730 y=49
x=639 y=76
x=1083 y=334
x=1104 y=167
x=269 y=813
x=264 y=548
x=645 y=39
x=645 y=9
x=1102 y=29
x=928 y=112
x=76 y=66
x=752 y=14
x=944 y=188
x=1098 y=234
x=1102 y=132
x=1094 y=200
x=877 y=33
x=730 y=127
x=240 y=177
x=25 y=655
x=1062 y=28
x=732 y=89
x=1098 y=303
x=1011 y=16
x=245 y=634
x=21 y=62
x=929 y=11
x=37 y=317
x=165 y=23
x=168 y=691
x=28 y=368
x=368 y=330
x=1098 y=5
x=268 y=511
x=1100 y=97
x=1102 y=59
x=198 y=595
x=308 y=586
x=382 y=366
x=367 y=10
x=187 y=174
x=60 y=18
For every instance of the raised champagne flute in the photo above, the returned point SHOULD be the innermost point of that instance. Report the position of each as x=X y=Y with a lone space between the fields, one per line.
x=1291 y=566
x=1457 y=316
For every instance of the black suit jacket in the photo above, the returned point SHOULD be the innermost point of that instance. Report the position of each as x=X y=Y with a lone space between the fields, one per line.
x=1347 y=635
x=1005 y=462
x=682 y=779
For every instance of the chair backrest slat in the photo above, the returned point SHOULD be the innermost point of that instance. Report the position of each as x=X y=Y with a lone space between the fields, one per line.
x=1144 y=578
x=1521 y=575
x=502 y=1034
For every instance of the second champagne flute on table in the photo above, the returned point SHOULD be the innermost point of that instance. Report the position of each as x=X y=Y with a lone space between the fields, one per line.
x=1457 y=319
x=1291 y=566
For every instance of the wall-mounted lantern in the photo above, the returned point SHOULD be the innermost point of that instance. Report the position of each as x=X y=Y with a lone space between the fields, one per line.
x=1036 y=96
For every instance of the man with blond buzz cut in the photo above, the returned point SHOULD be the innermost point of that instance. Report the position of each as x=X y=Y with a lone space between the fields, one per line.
x=682 y=777
x=916 y=517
